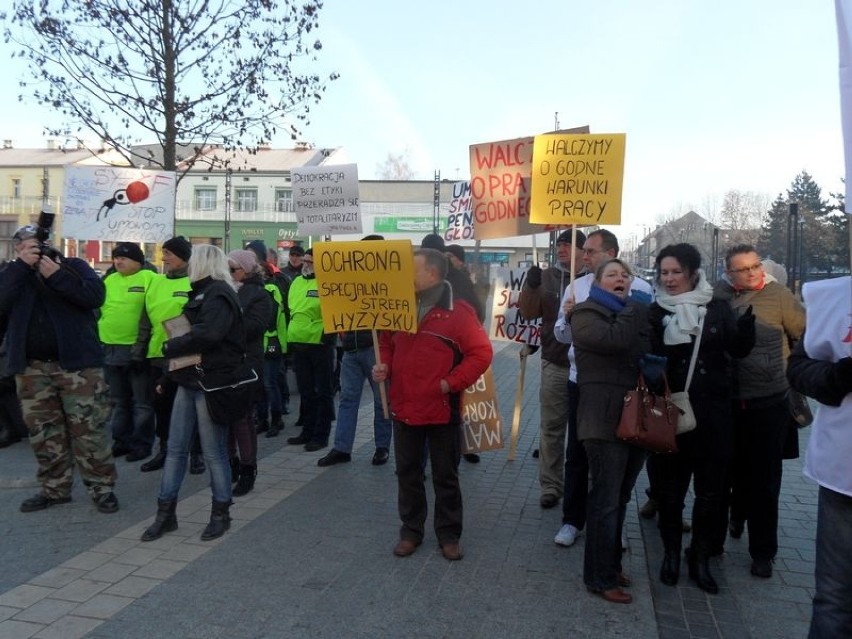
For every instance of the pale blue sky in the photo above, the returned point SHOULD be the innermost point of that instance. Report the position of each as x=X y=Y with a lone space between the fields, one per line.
x=713 y=96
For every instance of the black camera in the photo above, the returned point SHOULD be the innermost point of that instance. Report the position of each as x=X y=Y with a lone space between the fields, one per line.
x=42 y=233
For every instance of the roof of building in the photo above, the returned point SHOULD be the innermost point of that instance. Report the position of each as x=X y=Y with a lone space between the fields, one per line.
x=266 y=159
x=11 y=157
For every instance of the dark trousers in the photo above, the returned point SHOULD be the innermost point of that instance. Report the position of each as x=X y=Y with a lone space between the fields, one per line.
x=614 y=466
x=444 y=452
x=832 y=611
x=672 y=477
x=576 y=489
x=313 y=366
x=761 y=430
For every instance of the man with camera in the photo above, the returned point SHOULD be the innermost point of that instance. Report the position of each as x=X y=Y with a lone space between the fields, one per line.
x=54 y=351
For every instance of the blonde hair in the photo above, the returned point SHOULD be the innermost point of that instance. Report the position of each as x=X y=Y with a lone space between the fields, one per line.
x=209 y=261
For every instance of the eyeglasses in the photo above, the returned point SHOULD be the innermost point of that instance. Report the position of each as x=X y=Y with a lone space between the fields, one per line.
x=591 y=251
x=754 y=268
x=234 y=269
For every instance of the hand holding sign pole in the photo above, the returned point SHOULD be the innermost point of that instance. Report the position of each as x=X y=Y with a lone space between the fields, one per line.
x=383 y=393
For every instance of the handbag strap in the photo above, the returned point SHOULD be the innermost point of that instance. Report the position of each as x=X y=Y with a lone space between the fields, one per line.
x=694 y=355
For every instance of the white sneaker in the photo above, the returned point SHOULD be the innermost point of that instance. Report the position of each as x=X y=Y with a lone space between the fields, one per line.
x=567 y=535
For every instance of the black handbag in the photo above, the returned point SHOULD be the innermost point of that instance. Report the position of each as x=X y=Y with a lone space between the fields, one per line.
x=230 y=402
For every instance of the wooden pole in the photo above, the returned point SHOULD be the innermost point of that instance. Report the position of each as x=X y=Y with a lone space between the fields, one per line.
x=519 y=398
x=382 y=390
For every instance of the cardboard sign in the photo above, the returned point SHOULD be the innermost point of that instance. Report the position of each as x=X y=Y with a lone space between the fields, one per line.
x=500 y=187
x=481 y=421
x=118 y=204
x=325 y=199
x=506 y=324
x=577 y=179
x=460 y=214
x=366 y=285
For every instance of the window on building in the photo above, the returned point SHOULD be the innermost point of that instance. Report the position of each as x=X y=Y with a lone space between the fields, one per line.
x=283 y=200
x=205 y=198
x=245 y=200
x=16 y=188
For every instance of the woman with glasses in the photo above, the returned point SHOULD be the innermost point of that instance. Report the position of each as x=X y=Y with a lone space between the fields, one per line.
x=761 y=413
x=683 y=309
x=259 y=315
x=609 y=333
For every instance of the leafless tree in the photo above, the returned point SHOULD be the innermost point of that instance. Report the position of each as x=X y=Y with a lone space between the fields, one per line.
x=397 y=166
x=225 y=72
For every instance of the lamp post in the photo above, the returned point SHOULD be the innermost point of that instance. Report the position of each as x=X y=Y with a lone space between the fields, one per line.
x=227 y=239
x=792 y=230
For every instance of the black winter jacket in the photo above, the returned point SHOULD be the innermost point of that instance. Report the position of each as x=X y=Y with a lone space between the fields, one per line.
x=216 y=332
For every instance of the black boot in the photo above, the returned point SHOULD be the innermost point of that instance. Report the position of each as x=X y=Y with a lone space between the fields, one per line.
x=196 y=464
x=276 y=425
x=220 y=521
x=156 y=462
x=165 y=521
x=246 y=481
x=235 y=469
x=670 y=570
x=262 y=426
x=699 y=571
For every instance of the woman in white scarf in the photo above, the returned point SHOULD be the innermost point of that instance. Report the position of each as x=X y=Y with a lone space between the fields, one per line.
x=685 y=307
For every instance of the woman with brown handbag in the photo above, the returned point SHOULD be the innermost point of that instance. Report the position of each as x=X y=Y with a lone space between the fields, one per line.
x=685 y=311
x=609 y=333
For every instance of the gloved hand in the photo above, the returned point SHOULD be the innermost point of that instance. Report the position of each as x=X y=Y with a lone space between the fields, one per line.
x=653 y=367
x=534 y=277
x=640 y=297
x=746 y=320
x=842 y=372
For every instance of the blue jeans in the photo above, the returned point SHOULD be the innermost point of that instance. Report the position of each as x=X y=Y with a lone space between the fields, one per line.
x=614 y=466
x=832 y=611
x=190 y=408
x=131 y=394
x=355 y=367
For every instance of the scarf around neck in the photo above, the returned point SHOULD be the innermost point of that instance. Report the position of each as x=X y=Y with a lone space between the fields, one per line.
x=686 y=310
x=609 y=300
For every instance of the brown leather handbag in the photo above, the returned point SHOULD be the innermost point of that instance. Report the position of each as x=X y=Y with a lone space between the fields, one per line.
x=647 y=420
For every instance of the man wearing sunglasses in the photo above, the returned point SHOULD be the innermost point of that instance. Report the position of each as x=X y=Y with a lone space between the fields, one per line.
x=761 y=413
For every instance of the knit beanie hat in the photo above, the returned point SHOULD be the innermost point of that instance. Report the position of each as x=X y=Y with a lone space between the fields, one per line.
x=259 y=249
x=433 y=241
x=246 y=259
x=180 y=246
x=565 y=236
x=130 y=251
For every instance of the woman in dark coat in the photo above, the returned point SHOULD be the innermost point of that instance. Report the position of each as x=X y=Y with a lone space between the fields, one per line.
x=258 y=315
x=684 y=299
x=216 y=334
x=609 y=334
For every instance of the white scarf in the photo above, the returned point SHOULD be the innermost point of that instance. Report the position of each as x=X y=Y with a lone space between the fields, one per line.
x=687 y=310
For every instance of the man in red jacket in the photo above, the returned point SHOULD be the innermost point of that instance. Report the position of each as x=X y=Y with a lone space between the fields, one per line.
x=429 y=371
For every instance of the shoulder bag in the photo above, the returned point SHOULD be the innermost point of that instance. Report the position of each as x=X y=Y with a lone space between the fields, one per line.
x=686 y=420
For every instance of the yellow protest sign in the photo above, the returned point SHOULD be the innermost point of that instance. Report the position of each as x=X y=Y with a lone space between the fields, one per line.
x=366 y=285
x=577 y=179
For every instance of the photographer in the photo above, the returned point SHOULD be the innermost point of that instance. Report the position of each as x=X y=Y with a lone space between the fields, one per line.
x=54 y=352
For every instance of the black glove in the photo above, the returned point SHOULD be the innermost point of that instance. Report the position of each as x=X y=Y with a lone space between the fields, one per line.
x=842 y=373
x=534 y=277
x=746 y=320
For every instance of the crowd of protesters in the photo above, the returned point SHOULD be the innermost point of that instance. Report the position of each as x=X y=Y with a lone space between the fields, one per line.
x=182 y=370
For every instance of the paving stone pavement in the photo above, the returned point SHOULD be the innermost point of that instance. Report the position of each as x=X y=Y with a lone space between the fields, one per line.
x=308 y=555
